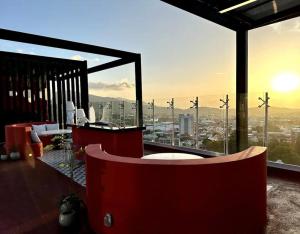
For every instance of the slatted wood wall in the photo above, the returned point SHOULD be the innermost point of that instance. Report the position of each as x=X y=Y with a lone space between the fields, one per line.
x=36 y=88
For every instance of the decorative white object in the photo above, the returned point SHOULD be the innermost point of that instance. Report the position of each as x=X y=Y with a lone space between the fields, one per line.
x=70 y=109
x=81 y=118
x=92 y=114
x=70 y=106
x=106 y=114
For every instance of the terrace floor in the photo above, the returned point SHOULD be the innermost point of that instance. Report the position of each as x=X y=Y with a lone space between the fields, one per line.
x=30 y=192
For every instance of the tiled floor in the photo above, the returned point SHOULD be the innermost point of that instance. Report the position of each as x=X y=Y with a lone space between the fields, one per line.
x=59 y=161
x=56 y=158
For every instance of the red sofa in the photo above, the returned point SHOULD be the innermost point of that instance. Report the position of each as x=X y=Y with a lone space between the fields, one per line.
x=225 y=194
x=18 y=137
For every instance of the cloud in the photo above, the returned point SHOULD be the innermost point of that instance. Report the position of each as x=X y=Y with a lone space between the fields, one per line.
x=21 y=51
x=118 y=86
x=77 y=57
x=286 y=26
x=277 y=27
x=296 y=27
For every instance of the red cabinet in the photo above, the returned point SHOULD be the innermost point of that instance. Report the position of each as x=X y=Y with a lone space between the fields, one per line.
x=127 y=142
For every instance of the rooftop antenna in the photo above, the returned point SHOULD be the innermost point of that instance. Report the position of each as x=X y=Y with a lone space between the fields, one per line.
x=101 y=107
x=265 y=103
x=110 y=107
x=151 y=107
x=196 y=106
x=171 y=106
x=122 y=113
x=226 y=105
x=133 y=107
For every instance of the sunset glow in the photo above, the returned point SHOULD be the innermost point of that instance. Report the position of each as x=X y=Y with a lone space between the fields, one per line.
x=285 y=82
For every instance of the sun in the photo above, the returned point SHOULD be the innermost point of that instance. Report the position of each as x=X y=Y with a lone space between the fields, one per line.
x=285 y=82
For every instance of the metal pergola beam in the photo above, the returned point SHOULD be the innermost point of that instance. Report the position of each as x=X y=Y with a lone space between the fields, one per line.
x=200 y=9
x=280 y=16
x=138 y=90
x=62 y=44
x=125 y=58
x=112 y=64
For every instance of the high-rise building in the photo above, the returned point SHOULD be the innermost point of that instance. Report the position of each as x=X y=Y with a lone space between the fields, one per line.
x=186 y=124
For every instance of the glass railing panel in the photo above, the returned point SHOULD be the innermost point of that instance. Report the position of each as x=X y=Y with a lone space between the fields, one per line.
x=277 y=127
x=256 y=117
x=118 y=112
x=149 y=119
x=283 y=129
x=211 y=123
x=192 y=122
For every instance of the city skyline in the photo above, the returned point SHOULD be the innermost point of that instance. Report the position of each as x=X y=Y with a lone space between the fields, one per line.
x=182 y=55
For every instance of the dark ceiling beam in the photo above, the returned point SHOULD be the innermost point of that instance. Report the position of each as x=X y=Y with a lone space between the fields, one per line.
x=62 y=44
x=39 y=58
x=275 y=18
x=253 y=6
x=115 y=63
x=200 y=9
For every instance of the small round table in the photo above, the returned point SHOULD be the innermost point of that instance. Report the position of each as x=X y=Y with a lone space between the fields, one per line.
x=172 y=156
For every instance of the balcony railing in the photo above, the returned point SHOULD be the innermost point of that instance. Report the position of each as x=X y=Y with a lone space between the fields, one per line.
x=174 y=122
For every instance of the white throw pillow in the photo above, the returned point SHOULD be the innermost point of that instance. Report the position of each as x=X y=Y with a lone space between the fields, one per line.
x=34 y=137
x=39 y=128
x=52 y=127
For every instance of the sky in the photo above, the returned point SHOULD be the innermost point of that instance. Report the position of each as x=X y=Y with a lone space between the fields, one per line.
x=183 y=55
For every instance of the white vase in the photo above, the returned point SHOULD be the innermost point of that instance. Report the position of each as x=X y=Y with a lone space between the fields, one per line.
x=14 y=155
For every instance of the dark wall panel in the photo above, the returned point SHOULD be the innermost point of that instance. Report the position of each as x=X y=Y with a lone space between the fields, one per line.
x=36 y=88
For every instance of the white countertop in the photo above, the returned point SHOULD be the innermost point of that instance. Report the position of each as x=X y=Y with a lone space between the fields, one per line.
x=171 y=156
x=56 y=132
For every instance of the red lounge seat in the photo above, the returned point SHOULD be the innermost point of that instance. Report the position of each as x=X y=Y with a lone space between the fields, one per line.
x=18 y=136
x=225 y=194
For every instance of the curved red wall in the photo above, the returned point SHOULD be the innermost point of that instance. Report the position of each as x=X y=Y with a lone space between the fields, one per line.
x=219 y=195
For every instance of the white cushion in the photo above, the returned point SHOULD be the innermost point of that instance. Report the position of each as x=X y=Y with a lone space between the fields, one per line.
x=34 y=137
x=52 y=127
x=39 y=128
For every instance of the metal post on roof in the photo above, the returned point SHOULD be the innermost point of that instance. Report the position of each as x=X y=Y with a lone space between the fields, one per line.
x=110 y=106
x=196 y=106
x=265 y=103
x=226 y=105
x=171 y=106
x=122 y=114
x=101 y=111
x=135 y=113
x=151 y=107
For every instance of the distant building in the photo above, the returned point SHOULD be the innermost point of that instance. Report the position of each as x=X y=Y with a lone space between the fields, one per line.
x=186 y=124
